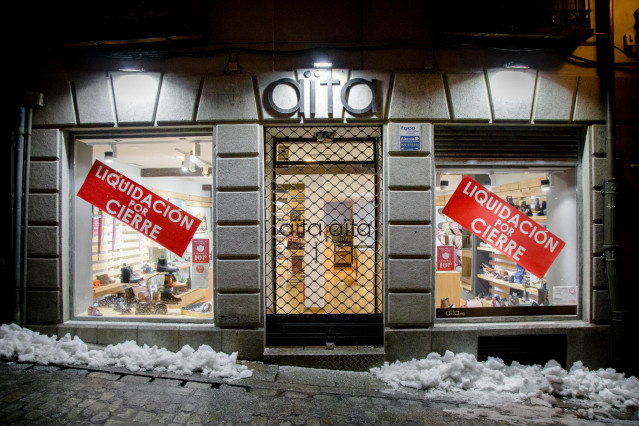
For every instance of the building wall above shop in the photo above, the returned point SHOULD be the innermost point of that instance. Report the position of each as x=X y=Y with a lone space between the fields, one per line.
x=493 y=95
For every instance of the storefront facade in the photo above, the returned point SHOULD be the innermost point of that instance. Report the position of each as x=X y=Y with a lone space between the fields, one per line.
x=248 y=118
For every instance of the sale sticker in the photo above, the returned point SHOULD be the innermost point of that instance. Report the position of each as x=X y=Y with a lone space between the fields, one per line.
x=445 y=258
x=141 y=209
x=200 y=250
x=504 y=227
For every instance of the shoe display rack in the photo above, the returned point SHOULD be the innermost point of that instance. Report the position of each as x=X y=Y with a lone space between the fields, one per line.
x=498 y=273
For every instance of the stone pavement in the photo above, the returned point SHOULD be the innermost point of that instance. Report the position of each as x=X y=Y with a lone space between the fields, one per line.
x=52 y=395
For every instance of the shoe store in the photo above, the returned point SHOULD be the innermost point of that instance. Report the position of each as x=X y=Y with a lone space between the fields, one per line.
x=320 y=220
x=332 y=204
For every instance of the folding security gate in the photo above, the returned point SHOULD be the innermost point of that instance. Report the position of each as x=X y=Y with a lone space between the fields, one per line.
x=323 y=227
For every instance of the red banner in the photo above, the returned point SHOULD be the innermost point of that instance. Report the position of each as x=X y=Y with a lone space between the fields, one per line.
x=503 y=227
x=200 y=250
x=141 y=209
x=445 y=258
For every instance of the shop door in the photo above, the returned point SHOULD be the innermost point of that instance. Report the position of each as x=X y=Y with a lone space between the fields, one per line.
x=324 y=247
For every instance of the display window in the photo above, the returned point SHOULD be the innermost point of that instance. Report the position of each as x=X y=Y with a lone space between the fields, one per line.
x=123 y=273
x=477 y=277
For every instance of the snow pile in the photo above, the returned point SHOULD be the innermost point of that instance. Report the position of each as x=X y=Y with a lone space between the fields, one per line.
x=29 y=346
x=492 y=380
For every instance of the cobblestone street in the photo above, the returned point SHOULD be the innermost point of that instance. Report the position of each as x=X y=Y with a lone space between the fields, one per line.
x=32 y=394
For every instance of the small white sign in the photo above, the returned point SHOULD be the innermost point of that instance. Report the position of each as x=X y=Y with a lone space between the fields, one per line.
x=200 y=275
x=564 y=295
x=410 y=137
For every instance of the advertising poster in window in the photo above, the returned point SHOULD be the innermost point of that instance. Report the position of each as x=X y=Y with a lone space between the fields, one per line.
x=146 y=212
x=502 y=226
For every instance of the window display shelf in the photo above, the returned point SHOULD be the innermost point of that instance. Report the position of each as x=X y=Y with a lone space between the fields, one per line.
x=531 y=290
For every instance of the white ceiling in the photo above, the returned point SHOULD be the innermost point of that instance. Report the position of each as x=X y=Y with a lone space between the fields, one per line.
x=160 y=152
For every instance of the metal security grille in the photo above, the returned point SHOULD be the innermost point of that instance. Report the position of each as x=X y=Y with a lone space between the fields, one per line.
x=324 y=252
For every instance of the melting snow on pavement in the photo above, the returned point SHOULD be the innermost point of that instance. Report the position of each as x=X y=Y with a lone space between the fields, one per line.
x=24 y=345
x=491 y=383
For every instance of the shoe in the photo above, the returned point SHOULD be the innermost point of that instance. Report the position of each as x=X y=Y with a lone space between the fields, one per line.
x=125 y=273
x=144 y=308
x=160 y=308
x=121 y=306
x=519 y=275
x=167 y=297
x=147 y=269
x=129 y=295
x=163 y=266
x=105 y=279
x=445 y=303
x=94 y=312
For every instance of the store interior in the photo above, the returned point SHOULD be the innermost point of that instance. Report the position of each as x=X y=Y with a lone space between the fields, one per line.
x=124 y=274
x=480 y=276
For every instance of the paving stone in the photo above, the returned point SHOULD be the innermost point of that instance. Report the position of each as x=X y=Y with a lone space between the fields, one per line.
x=197 y=385
x=167 y=382
x=135 y=379
x=46 y=368
x=107 y=376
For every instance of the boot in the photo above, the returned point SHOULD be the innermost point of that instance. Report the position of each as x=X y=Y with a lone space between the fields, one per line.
x=125 y=273
x=445 y=303
x=163 y=266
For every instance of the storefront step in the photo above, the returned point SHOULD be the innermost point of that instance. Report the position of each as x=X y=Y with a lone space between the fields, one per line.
x=349 y=358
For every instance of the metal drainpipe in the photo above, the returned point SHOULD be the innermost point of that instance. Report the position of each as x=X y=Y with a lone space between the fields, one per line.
x=610 y=243
x=17 y=220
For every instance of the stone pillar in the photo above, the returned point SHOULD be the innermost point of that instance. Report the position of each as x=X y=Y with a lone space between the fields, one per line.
x=600 y=296
x=43 y=249
x=409 y=245
x=238 y=249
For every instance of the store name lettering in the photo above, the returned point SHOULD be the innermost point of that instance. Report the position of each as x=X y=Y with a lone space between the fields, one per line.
x=311 y=94
x=362 y=229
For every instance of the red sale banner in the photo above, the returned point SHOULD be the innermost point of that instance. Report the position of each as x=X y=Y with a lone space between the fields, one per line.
x=503 y=227
x=141 y=209
x=445 y=258
x=200 y=250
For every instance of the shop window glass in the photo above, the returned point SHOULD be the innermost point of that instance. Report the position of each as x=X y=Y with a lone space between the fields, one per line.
x=121 y=273
x=480 y=280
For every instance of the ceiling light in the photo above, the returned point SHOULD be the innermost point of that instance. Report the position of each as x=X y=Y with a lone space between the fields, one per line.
x=310 y=160
x=108 y=157
x=545 y=185
x=443 y=184
x=516 y=65
x=186 y=164
x=323 y=65
x=132 y=68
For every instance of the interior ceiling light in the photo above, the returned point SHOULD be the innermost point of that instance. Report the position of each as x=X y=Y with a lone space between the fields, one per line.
x=108 y=157
x=545 y=185
x=186 y=163
x=323 y=65
x=132 y=68
x=516 y=65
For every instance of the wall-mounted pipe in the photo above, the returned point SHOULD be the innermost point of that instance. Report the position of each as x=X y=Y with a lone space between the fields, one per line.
x=606 y=57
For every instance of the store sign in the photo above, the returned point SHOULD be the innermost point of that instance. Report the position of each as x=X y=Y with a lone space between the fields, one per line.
x=410 y=137
x=298 y=85
x=141 y=209
x=445 y=258
x=503 y=227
